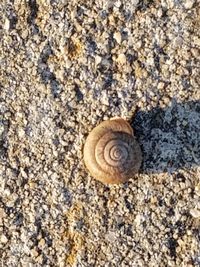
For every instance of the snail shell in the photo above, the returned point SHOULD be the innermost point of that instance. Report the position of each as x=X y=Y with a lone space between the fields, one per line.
x=111 y=152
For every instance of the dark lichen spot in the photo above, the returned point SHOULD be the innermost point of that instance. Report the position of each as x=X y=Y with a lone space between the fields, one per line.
x=180 y=177
x=172 y=245
x=33 y=6
x=79 y=94
x=181 y=227
x=131 y=57
x=13 y=21
x=128 y=204
x=18 y=220
x=91 y=45
x=171 y=212
x=128 y=230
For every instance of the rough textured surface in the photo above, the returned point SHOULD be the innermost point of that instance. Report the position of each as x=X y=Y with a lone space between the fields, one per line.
x=65 y=67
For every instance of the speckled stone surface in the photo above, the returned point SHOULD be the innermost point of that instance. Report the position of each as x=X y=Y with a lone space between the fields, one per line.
x=65 y=66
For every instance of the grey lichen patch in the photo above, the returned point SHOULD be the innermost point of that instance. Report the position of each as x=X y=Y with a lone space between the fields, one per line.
x=170 y=136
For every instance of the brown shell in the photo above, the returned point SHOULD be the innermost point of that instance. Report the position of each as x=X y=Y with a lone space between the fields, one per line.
x=111 y=152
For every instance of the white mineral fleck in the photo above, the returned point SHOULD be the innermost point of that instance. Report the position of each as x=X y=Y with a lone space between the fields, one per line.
x=118 y=3
x=111 y=236
x=104 y=99
x=160 y=12
x=197 y=41
x=139 y=93
x=4 y=239
x=118 y=37
x=178 y=41
x=7 y=24
x=97 y=60
x=189 y=4
x=21 y=132
x=68 y=63
x=195 y=213
x=135 y=2
x=138 y=219
x=121 y=59
x=41 y=243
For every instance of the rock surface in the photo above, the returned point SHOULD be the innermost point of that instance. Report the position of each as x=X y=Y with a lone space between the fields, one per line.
x=65 y=67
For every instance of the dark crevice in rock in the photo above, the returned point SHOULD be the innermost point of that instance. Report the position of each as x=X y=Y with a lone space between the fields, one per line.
x=4 y=128
x=79 y=94
x=172 y=245
x=47 y=76
x=33 y=11
x=11 y=14
x=13 y=21
x=144 y=5
x=33 y=6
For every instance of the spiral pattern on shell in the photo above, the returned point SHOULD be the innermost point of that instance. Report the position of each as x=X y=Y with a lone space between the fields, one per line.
x=111 y=152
